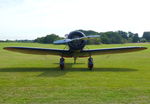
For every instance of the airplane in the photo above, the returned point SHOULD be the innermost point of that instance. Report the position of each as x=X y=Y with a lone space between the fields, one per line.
x=76 y=40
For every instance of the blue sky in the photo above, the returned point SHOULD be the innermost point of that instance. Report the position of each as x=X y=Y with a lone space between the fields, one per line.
x=29 y=19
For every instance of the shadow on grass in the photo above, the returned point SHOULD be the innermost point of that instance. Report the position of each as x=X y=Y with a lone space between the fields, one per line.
x=71 y=63
x=56 y=72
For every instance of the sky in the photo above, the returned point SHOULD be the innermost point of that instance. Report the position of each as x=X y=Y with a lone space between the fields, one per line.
x=29 y=19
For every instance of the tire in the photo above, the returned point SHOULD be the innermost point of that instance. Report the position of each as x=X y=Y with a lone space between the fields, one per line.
x=90 y=66
x=62 y=66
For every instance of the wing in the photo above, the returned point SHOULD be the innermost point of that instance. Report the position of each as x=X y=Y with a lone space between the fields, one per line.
x=111 y=50
x=39 y=51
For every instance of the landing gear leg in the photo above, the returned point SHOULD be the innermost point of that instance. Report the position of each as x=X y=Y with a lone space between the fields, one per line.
x=62 y=63
x=90 y=63
x=75 y=58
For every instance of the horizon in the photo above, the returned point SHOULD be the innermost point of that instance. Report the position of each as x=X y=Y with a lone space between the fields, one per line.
x=64 y=35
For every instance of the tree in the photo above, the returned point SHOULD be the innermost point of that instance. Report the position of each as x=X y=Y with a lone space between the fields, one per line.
x=48 y=39
x=143 y=40
x=105 y=39
x=135 y=38
x=111 y=38
x=89 y=32
x=146 y=35
x=124 y=35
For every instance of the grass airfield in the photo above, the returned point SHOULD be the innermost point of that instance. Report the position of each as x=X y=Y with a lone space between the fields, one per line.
x=36 y=79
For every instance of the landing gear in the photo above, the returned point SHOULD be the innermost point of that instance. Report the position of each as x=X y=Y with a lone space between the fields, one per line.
x=90 y=63
x=75 y=58
x=62 y=63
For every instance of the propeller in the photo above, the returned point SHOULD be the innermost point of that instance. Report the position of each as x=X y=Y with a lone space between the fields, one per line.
x=62 y=41
x=81 y=38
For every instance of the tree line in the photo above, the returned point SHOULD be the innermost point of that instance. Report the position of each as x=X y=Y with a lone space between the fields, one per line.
x=110 y=37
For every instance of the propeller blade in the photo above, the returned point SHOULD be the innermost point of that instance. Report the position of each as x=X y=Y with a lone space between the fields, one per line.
x=87 y=37
x=62 y=41
x=93 y=36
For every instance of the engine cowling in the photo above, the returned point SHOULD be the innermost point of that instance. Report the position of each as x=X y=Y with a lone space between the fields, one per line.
x=76 y=44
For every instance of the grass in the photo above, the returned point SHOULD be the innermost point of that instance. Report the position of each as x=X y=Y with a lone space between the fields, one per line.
x=37 y=79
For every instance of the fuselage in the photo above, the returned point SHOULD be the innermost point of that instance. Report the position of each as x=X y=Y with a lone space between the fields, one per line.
x=76 y=45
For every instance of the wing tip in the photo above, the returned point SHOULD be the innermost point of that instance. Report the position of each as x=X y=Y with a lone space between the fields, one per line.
x=143 y=48
x=8 y=48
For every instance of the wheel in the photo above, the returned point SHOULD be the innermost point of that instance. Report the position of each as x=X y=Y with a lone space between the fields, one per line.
x=62 y=64
x=90 y=66
x=90 y=63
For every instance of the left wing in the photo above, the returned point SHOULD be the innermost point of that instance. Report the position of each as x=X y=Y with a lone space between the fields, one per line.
x=39 y=51
x=111 y=50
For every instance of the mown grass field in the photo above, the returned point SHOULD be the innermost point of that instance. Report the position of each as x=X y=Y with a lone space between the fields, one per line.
x=37 y=79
